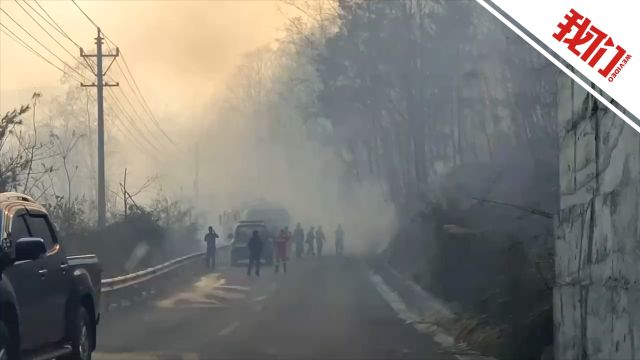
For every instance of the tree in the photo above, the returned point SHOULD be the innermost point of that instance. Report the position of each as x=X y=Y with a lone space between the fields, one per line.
x=12 y=160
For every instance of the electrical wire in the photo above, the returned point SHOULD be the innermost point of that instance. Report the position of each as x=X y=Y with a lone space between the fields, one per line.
x=144 y=103
x=136 y=91
x=40 y=43
x=133 y=108
x=21 y=42
x=57 y=26
x=132 y=122
x=141 y=98
x=132 y=118
x=85 y=14
x=117 y=101
x=51 y=36
x=120 y=125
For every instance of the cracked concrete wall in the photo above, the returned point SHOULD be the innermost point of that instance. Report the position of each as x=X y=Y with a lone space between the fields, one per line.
x=596 y=296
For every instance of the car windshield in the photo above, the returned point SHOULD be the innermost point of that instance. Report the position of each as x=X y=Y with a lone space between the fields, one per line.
x=273 y=217
x=244 y=233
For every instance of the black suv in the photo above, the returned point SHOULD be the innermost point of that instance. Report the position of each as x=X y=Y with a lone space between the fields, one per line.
x=49 y=303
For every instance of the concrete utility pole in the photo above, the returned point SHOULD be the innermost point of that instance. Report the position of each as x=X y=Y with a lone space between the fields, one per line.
x=196 y=180
x=99 y=84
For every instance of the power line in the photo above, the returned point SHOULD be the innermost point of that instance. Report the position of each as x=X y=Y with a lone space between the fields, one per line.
x=132 y=122
x=100 y=100
x=57 y=26
x=140 y=118
x=137 y=115
x=38 y=41
x=21 y=42
x=130 y=117
x=142 y=100
x=120 y=125
x=84 y=13
x=123 y=118
x=48 y=33
x=138 y=93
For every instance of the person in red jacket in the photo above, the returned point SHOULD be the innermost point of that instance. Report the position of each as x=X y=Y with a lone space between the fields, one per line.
x=282 y=247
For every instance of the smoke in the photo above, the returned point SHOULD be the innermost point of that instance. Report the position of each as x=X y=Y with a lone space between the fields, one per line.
x=263 y=140
x=237 y=164
x=245 y=127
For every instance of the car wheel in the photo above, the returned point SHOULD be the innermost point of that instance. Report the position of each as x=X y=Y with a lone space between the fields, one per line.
x=81 y=336
x=4 y=342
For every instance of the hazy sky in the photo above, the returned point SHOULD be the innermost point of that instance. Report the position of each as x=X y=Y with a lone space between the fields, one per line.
x=180 y=52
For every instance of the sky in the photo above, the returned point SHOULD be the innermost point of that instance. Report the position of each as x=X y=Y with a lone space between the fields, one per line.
x=180 y=52
x=183 y=55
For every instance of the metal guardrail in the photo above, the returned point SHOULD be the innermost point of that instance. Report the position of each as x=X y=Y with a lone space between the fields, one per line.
x=109 y=285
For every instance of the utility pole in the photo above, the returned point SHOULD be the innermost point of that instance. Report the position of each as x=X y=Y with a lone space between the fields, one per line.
x=124 y=193
x=196 y=181
x=99 y=85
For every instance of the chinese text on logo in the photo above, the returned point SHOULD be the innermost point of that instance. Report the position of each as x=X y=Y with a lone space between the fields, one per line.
x=592 y=44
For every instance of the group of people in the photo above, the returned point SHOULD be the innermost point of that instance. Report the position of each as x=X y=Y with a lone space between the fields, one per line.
x=315 y=239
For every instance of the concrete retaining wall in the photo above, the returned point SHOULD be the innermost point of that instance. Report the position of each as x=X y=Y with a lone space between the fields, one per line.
x=596 y=297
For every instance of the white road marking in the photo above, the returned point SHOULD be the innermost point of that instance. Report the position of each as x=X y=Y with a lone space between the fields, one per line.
x=398 y=305
x=229 y=329
x=393 y=299
x=144 y=356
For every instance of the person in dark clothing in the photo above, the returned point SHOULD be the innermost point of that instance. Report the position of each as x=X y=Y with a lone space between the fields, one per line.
x=298 y=239
x=210 y=239
x=255 y=251
x=311 y=237
x=320 y=238
x=339 y=240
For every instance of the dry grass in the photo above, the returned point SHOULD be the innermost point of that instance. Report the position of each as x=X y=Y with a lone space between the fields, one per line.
x=472 y=335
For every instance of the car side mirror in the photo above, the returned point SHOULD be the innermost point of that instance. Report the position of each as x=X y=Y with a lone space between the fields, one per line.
x=6 y=255
x=29 y=249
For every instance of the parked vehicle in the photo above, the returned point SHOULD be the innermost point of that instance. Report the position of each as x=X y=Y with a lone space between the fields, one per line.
x=273 y=215
x=241 y=236
x=49 y=303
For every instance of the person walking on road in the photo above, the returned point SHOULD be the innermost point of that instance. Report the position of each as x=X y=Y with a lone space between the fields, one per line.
x=320 y=238
x=210 y=240
x=298 y=239
x=289 y=243
x=339 y=240
x=255 y=251
x=282 y=244
x=311 y=237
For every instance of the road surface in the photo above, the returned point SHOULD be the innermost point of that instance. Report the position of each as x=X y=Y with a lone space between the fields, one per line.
x=323 y=308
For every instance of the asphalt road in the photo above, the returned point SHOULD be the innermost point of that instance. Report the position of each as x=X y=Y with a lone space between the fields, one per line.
x=323 y=308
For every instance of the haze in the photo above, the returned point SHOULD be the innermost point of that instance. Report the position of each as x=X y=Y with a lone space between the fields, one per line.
x=426 y=128
x=178 y=50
